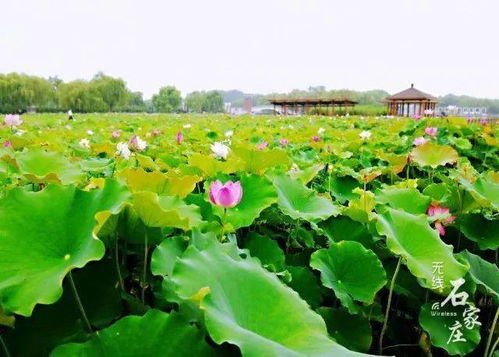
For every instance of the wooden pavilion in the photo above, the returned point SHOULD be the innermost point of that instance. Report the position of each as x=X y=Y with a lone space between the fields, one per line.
x=411 y=102
x=287 y=106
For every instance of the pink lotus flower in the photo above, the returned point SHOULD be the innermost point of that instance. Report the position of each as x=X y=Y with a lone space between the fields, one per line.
x=7 y=144
x=115 y=134
x=284 y=142
x=12 y=120
x=179 y=137
x=137 y=143
x=419 y=141
x=262 y=145
x=316 y=138
x=431 y=131
x=226 y=195
x=417 y=116
x=442 y=215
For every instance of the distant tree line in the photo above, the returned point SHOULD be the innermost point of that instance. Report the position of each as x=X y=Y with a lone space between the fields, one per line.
x=103 y=93
x=21 y=93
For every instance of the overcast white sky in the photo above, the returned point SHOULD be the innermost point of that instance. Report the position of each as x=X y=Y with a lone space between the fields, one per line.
x=443 y=46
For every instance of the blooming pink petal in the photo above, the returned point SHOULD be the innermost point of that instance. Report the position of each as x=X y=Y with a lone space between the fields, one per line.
x=440 y=228
x=214 y=189
x=431 y=131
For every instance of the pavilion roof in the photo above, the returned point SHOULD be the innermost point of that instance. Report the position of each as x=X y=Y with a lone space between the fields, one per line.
x=412 y=94
x=312 y=101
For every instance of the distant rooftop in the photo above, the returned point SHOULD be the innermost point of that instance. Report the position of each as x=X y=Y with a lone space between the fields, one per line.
x=412 y=94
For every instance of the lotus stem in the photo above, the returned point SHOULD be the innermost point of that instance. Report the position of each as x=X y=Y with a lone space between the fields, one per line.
x=388 y=305
x=117 y=260
x=491 y=334
x=78 y=301
x=4 y=347
x=494 y=347
x=144 y=277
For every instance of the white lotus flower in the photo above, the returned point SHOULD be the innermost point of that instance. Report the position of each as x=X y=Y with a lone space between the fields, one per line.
x=123 y=150
x=229 y=133
x=90 y=132
x=321 y=131
x=187 y=126
x=366 y=134
x=20 y=132
x=220 y=150
x=85 y=143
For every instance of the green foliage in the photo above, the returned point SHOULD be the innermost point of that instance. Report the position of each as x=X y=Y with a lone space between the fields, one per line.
x=168 y=100
x=205 y=102
x=330 y=247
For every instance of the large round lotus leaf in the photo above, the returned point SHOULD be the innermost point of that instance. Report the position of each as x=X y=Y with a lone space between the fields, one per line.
x=434 y=155
x=260 y=161
x=258 y=194
x=344 y=228
x=352 y=271
x=164 y=256
x=306 y=283
x=480 y=229
x=341 y=187
x=154 y=334
x=45 y=235
x=169 y=184
x=165 y=211
x=484 y=191
x=247 y=306
x=41 y=166
x=483 y=273
x=352 y=331
x=407 y=199
x=307 y=174
x=412 y=238
x=438 y=329
x=300 y=202
x=267 y=250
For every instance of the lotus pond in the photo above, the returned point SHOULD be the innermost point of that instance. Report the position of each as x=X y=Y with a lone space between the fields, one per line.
x=164 y=235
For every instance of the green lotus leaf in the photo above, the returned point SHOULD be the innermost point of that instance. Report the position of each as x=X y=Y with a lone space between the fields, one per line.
x=169 y=184
x=39 y=166
x=248 y=306
x=483 y=273
x=6 y=320
x=165 y=211
x=342 y=188
x=154 y=334
x=211 y=166
x=412 y=238
x=265 y=249
x=484 y=190
x=352 y=331
x=164 y=256
x=258 y=194
x=407 y=199
x=44 y=235
x=306 y=283
x=344 y=228
x=351 y=271
x=51 y=325
x=438 y=328
x=300 y=202
x=433 y=155
x=480 y=229
x=307 y=174
x=256 y=161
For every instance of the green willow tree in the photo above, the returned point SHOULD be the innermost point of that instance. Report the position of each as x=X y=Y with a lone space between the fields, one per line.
x=168 y=100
